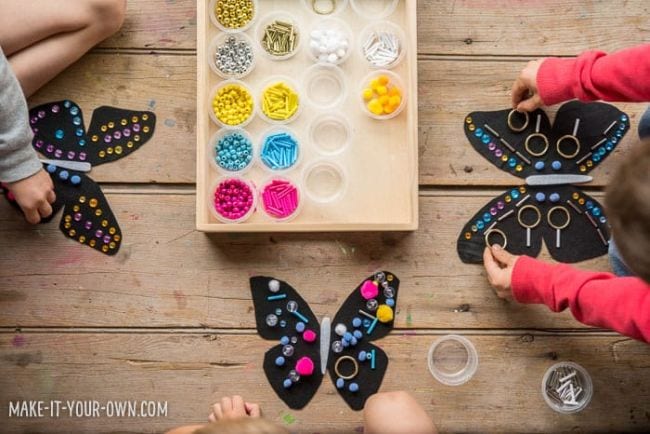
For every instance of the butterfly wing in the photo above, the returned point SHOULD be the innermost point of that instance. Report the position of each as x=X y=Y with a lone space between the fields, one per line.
x=276 y=319
x=499 y=220
x=347 y=350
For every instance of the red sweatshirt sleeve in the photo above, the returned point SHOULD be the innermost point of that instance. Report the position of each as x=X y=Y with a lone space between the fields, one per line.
x=595 y=75
x=596 y=299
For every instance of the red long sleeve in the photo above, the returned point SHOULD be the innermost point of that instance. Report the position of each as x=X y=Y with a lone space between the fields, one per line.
x=595 y=298
x=595 y=75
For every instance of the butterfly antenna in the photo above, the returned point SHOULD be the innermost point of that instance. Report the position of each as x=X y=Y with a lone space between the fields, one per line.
x=325 y=330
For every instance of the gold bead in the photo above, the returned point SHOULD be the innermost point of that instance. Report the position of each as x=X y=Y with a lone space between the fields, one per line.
x=67 y=225
x=508 y=199
x=104 y=223
x=129 y=144
x=104 y=248
x=94 y=138
x=92 y=203
x=72 y=232
x=123 y=122
x=98 y=212
x=67 y=218
x=522 y=189
x=82 y=199
x=111 y=125
x=468 y=235
x=471 y=127
x=136 y=137
x=112 y=230
x=109 y=151
x=504 y=158
x=145 y=130
x=575 y=196
x=75 y=208
x=468 y=120
x=118 y=150
x=145 y=117
x=103 y=128
x=92 y=243
x=581 y=201
x=102 y=154
x=82 y=239
x=117 y=237
x=112 y=245
x=134 y=119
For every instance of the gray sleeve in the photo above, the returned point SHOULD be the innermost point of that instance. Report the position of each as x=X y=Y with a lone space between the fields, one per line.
x=18 y=160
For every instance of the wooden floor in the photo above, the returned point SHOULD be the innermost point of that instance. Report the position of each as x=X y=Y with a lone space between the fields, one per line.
x=170 y=317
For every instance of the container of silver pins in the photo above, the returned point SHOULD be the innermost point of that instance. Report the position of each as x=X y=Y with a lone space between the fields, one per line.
x=567 y=387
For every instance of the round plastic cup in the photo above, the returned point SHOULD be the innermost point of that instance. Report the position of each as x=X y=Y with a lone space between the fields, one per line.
x=584 y=380
x=324 y=182
x=330 y=134
x=224 y=219
x=452 y=360
x=269 y=19
x=220 y=40
x=395 y=80
x=212 y=145
x=324 y=25
x=374 y=9
x=270 y=82
x=325 y=86
x=325 y=5
x=263 y=205
x=220 y=26
x=278 y=130
x=214 y=91
x=385 y=27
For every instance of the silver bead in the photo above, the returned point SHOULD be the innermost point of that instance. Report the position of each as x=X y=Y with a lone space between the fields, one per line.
x=271 y=320
x=372 y=304
x=287 y=350
x=294 y=376
x=292 y=306
x=380 y=276
x=389 y=292
x=337 y=346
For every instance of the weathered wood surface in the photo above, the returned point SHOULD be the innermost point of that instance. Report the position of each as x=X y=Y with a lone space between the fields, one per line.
x=169 y=275
x=191 y=370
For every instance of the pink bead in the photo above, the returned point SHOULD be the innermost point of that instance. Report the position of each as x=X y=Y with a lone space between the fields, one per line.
x=305 y=367
x=369 y=289
x=309 y=336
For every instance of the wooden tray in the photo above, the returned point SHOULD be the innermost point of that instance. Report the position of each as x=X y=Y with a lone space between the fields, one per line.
x=380 y=163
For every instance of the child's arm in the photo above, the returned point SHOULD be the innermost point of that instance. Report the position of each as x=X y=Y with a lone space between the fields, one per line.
x=396 y=413
x=19 y=164
x=596 y=299
x=594 y=75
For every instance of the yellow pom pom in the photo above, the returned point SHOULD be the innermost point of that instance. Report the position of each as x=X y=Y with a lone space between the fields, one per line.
x=395 y=100
x=384 y=313
x=368 y=94
x=383 y=80
x=374 y=83
x=384 y=100
x=382 y=90
x=375 y=107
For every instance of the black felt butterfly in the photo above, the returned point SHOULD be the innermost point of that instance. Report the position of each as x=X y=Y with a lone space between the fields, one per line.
x=551 y=159
x=341 y=346
x=71 y=151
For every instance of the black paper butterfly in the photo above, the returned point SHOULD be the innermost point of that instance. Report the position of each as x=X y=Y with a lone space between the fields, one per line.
x=341 y=346
x=59 y=134
x=550 y=159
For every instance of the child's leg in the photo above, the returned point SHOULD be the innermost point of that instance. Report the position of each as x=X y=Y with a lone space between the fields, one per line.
x=396 y=413
x=42 y=38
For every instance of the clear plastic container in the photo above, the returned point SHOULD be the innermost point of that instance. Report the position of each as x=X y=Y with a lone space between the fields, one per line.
x=320 y=30
x=270 y=82
x=265 y=206
x=220 y=26
x=211 y=200
x=279 y=130
x=378 y=28
x=220 y=40
x=324 y=182
x=551 y=382
x=269 y=19
x=325 y=6
x=212 y=151
x=374 y=9
x=330 y=133
x=214 y=91
x=394 y=80
x=452 y=360
x=325 y=86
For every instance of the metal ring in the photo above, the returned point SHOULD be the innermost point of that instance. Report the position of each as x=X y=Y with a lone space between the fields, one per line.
x=512 y=127
x=354 y=362
x=521 y=210
x=557 y=208
x=321 y=11
x=568 y=137
x=527 y=144
x=498 y=231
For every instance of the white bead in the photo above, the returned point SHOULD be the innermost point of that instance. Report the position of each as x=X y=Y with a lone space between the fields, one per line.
x=274 y=285
x=322 y=49
x=340 y=329
x=322 y=58
x=340 y=52
x=316 y=34
x=332 y=58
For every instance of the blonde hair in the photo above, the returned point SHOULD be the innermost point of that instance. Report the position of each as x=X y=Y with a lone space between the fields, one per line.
x=245 y=425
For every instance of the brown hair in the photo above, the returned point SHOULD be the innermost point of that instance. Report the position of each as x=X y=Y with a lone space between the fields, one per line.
x=628 y=207
x=245 y=425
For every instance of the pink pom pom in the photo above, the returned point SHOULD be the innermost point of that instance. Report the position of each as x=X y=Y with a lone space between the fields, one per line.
x=305 y=367
x=309 y=336
x=369 y=289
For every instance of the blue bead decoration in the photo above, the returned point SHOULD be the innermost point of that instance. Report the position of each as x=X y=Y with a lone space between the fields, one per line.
x=64 y=175
x=347 y=336
x=79 y=132
x=278 y=311
x=540 y=197
x=556 y=165
x=621 y=127
x=340 y=383
x=353 y=341
x=595 y=211
x=485 y=139
x=487 y=217
x=596 y=158
x=602 y=151
x=478 y=132
x=603 y=219
x=480 y=225
x=369 y=355
x=74 y=110
x=514 y=194
x=362 y=356
x=554 y=197
x=58 y=134
x=512 y=162
x=353 y=387
x=279 y=361
x=366 y=323
x=279 y=151
x=82 y=142
x=234 y=152
x=589 y=204
x=619 y=133
x=66 y=104
x=356 y=322
x=51 y=168
x=300 y=326
x=390 y=302
x=284 y=340
x=345 y=343
x=287 y=383
x=75 y=179
x=623 y=118
x=358 y=334
x=283 y=323
x=539 y=165
x=76 y=121
x=614 y=140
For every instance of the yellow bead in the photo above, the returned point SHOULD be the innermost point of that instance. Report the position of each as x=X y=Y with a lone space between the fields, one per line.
x=67 y=218
x=67 y=225
x=76 y=208
x=590 y=163
x=112 y=245
x=581 y=201
x=145 y=129
x=575 y=196
x=109 y=151
x=104 y=223
x=583 y=168
x=468 y=235
x=471 y=127
x=72 y=232
x=389 y=277
x=104 y=248
x=129 y=144
x=504 y=158
x=92 y=243
x=118 y=150
x=468 y=120
x=94 y=138
x=123 y=122
x=508 y=199
x=384 y=313
x=82 y=199
x=134 y=119
x=145 y=117
x=518 y=168
x=102 y=154
x=92 y=203
x=98 y=212
x=117 y=237
x=112 y=230
x=82 y=239
x=136 y=137
x=111 y=125
x=103 y=128
x=522 y=189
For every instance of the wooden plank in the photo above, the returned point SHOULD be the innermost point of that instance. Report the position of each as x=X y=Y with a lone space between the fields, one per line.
x=191 y=371
x=168 y=274
x=529 y=28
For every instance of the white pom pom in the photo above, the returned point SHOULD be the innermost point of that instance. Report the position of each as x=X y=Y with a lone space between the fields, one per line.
x=274 y=285
x=340 y=329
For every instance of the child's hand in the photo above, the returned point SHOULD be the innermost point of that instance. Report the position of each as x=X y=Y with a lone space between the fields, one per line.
x=499 y=265
x=34 y=195
x=525 y=97
x=233 y=408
